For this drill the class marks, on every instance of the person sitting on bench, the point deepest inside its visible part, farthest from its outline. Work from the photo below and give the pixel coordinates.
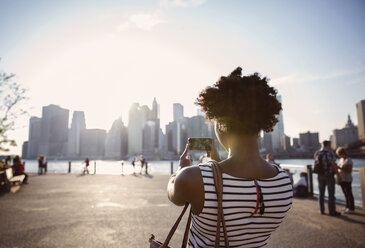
(301, 187)
(18, 168)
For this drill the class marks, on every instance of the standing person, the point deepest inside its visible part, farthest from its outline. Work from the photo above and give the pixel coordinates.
(45, 164)
(134, 164)
(345, 165)
(143, 162)
(254, 191)
(40, 165)
(86, 168)
(18, 168)
(327, 177)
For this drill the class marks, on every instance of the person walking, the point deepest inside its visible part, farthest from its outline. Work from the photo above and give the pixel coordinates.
(86, 168)
(345, 165)
(143, 163)
(134, 164)
(326, 178)
(254, 192)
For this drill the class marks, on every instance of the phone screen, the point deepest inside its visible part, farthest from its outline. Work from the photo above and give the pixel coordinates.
(202, 144)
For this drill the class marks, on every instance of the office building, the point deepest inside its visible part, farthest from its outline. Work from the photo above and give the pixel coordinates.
(54, 131)
(93, 143)
(178, 111)
(116, 141)
(345, 136)
(78, 125)
(360, 109)
(309, 141)
(278, 131)
(34, 137)
(285, 143)
(135, 130)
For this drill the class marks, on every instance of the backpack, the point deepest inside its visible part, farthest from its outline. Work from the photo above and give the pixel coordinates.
(319, 168)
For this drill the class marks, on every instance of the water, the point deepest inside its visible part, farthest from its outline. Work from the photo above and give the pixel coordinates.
(164, 168)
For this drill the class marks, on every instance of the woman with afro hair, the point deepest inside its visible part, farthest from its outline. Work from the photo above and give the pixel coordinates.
(256, 195)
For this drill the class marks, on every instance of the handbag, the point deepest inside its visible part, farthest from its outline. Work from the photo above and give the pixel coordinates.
(220, 217)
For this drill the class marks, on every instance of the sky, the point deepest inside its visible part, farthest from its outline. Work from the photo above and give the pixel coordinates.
(101, 56)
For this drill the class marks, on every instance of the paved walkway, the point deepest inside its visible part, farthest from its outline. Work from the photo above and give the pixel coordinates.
(68, 210)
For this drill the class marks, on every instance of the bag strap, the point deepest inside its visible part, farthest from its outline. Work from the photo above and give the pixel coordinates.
(174, 227)
(218, 182)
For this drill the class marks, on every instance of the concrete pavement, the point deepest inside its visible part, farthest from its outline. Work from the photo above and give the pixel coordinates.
(68, 210)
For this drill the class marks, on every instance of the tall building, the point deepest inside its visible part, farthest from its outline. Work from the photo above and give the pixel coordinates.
(295, 142)
(135, 130)
(25, 149)
(54, 131)
(93, 143)
(155, 109)
(360, 108)
(115, 143)
(346, 135)
(278, 131)
(178, 111)
(78, 125)
(285, 143)
(309, 141)
(267, 142)
(34, 137)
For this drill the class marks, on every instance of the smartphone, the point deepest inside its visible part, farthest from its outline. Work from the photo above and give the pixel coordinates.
(202, 144)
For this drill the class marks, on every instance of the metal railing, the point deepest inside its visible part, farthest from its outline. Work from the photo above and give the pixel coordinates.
(309, 171)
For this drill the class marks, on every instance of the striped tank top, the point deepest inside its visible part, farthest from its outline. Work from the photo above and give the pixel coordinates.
(239, 202)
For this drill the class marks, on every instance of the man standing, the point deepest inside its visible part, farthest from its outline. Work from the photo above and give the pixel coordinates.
(326, 177)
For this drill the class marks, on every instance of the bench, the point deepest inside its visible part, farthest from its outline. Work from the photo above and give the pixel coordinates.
(14, 179)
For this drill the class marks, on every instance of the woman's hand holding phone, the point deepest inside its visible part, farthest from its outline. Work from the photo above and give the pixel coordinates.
(185, 158)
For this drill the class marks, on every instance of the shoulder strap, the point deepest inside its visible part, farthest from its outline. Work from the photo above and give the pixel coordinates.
(174, 227)
(218, 182)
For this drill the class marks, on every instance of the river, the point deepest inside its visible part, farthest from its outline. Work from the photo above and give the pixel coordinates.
(164, 167)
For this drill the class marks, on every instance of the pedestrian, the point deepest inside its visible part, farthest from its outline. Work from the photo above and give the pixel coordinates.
(241, 108)
(326, 177)
(345, 165)
(143, 162)
(18, 168)
(42, 165)
(134, 164)
(86, 168)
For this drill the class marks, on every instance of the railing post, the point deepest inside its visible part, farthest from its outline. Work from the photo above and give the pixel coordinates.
(310, 179)
(362, 179)
(172, 167)
(122, 168)
(69, 166)
(94, 167)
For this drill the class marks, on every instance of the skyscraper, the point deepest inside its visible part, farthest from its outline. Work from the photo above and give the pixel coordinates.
(309, 141)
(135, 130)
(278, 131)
(178, 111)
(54, 131)
(115, 145)
(34, 137)
(360, 108)
(74, 136)
(346, 135)
(93, 143)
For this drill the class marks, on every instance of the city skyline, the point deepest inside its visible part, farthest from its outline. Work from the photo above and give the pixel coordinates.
(102, 57)
(54, 135)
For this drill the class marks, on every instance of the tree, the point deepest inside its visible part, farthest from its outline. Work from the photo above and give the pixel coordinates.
(11, 97)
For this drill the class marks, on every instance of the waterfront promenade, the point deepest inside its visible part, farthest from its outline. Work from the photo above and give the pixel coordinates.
(70, 210)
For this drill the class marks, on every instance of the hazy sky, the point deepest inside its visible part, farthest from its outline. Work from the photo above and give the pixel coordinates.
(100, 56)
